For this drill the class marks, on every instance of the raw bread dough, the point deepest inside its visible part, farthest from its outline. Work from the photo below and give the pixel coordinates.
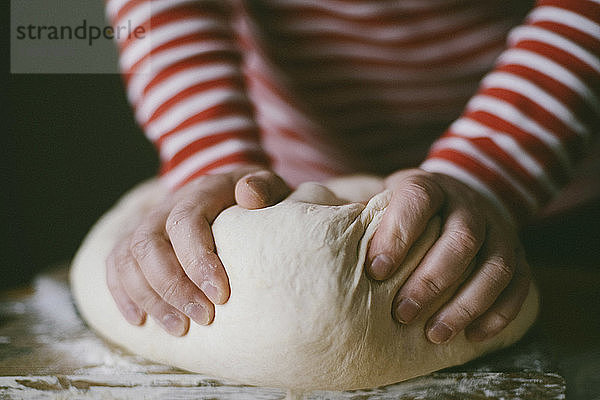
(302, 312)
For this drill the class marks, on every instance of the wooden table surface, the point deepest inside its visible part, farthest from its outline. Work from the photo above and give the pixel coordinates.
(46, 351)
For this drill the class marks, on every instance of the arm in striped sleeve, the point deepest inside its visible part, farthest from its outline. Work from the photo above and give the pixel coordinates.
(184, 81)
(533, 115)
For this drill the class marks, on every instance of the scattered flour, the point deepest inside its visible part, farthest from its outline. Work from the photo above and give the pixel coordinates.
(50, 315)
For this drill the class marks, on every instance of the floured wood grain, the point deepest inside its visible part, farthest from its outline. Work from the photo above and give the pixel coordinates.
(47, 352)
(440, 386)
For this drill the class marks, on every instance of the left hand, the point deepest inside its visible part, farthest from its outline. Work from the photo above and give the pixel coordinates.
(478, 249)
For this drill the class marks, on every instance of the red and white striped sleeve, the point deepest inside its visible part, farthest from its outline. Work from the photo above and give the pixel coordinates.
(533, 115)
(184, 80)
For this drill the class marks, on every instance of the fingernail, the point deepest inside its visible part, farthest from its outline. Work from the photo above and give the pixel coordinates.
(259, 187)
(439, 333)
(197, 312)
(381, 267)
(212, 292)
(407, 310)
(174, 324)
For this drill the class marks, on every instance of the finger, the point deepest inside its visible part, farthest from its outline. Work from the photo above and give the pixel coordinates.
(157, 261)
(140, 292)
(505, 309)
(189, 230)
(480, 291)
(120, 256)
(260, 189)
(414, 201)
(443, 267)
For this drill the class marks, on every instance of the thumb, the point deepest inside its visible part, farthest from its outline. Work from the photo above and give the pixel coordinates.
(415, 199)
(260, 189)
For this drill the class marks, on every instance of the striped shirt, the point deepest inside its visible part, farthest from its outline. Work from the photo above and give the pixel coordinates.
(501, 97)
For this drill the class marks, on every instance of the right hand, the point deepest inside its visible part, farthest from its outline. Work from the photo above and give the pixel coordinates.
(167, 267)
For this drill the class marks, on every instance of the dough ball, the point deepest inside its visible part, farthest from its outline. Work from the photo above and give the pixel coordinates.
(302, 312)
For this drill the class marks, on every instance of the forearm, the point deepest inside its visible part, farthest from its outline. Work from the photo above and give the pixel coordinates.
(185, 83)
(523, 131)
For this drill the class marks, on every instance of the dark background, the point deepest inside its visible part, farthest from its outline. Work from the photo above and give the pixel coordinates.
(74, 149)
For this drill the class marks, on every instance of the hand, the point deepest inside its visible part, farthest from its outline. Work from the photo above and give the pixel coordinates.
(478, 249)
(168, 267)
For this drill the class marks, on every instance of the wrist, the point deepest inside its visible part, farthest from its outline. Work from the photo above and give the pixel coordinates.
(464, 178)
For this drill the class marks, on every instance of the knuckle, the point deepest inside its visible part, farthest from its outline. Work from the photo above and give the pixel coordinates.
(498, 270)
(399, 238)
(472, 222)
(420, 189)
(116, 260)
(425, 186)
(500, 319)
(148, 302)
(431, 286)
(463, 241)
(143, 242)
(466, 311)
(197, 266)
(171, 290)
(179, 216)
